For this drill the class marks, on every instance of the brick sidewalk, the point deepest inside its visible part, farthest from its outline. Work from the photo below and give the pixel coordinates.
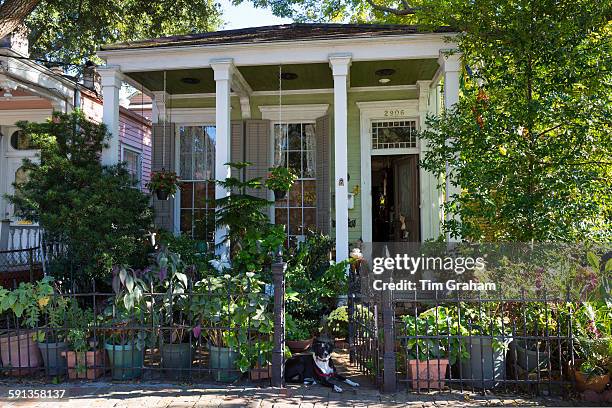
(106, 395)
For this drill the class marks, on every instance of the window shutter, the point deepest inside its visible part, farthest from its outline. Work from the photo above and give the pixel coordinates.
(257, 151)
(163, 158)
(237, 146)
(323, 174)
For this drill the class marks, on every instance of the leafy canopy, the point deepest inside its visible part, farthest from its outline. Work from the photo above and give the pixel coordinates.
(70, 31)
(530, 140)
(94, 210)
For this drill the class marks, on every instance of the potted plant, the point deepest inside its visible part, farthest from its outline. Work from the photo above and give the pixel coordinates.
(51, 339)
(123, 323)
(299, 336)
(173, 308)
(163, 183)
(593, 347)
(428, 358)
(280, 180)
(18, 348)
(84, 359)
(487, 335)
(231, 312)
(534, 325)
(336, 325)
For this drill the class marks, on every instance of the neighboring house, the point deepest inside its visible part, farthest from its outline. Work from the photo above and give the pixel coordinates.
(31, 92)
(338, 103)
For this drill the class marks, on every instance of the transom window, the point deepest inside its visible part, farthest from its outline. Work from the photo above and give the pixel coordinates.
(294, 147)
(197, 173)
(397, 134)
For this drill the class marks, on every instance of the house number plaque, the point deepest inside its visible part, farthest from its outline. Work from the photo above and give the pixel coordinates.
(392, 113)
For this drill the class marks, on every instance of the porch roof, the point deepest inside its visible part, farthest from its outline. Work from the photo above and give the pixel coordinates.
(277, 33)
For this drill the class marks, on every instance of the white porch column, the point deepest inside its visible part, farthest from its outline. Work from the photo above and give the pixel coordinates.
(451, 66)
(111, 84)
(340, 65)
(223, 78)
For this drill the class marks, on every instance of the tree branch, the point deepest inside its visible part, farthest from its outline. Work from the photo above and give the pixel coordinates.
(12, 14)
(404, 11)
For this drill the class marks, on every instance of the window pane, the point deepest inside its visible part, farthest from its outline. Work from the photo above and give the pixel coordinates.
(186, 195)
(308, 164)
(295, 137)
(295, 221)
(310, 193)
(310, 218)
(280, 145)
(295, 162)
(186, 221)
(295, 195)
(394, 135)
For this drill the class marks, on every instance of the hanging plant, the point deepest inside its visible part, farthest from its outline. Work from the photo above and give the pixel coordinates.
(280, 180)
(163, 183)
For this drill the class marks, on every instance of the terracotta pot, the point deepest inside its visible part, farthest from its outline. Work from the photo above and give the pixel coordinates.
(20, 352)
(299, 346)
(261, 373)
(341, 344)
(85, 365)
(427, 374)
(595, 383)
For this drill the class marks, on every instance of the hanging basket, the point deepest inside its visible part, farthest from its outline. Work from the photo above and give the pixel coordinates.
(279, 194)
(162, 195)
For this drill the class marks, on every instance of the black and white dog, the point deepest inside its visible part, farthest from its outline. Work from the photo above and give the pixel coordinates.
(316, 367)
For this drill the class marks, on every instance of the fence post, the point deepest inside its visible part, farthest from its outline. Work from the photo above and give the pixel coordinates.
(389, 373)
(278, 278)
(5, 226)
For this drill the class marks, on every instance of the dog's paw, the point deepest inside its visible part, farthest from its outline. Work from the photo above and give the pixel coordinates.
(337, 389)
(351, 383)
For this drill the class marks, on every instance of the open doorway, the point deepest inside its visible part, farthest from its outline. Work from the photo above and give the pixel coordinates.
(395, 198)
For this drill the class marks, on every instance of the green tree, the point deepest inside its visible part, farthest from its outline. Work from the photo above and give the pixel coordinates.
(70, 31)
(530, 140)
(94, 210)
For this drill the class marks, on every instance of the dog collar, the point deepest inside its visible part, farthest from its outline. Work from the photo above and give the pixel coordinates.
(321, 373)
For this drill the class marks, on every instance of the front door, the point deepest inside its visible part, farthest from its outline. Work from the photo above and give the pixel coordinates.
(406, 199)
(395, 198)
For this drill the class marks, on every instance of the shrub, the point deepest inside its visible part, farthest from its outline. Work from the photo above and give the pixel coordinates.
(95, 211)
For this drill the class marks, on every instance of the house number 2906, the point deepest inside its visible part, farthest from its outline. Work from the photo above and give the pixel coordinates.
(393, 112)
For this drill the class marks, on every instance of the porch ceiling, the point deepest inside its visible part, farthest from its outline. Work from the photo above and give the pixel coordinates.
(309, 76)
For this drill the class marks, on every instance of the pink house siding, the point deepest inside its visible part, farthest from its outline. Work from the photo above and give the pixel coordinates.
(135, 132)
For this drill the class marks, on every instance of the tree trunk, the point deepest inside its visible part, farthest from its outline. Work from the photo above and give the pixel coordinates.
(12, 14)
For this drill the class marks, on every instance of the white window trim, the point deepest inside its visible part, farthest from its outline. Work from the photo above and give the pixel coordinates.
(374, 111)
(191, 116)
(293, 113)
(133, 149)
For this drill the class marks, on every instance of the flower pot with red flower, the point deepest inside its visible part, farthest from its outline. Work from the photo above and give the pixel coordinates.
(280, 180)
(163, 183)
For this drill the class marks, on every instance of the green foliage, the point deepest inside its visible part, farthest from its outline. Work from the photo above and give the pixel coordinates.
(71, 31)
(281, 178)
(336, 323)
(313, 282)
(530, 139)
(240, 211)
(93, 210)
(232, 311)
(193, 253)
(28, 301)
(165, 181)
(437, 321)
(299, 329)
(81, 322)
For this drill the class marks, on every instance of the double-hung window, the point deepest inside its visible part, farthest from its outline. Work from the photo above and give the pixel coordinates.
(294, 147)
(197, 186)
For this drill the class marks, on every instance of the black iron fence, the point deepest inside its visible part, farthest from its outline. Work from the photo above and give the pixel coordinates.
(435, 340)
(222, 329)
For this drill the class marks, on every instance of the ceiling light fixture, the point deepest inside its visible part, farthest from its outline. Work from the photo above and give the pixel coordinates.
(384, 80)
(190, 81)
(288, 76)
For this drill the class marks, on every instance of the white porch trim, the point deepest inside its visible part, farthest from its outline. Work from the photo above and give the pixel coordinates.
(370, 111)
(295, 113)
(111, 85)
(224, 69)
(340, 65)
